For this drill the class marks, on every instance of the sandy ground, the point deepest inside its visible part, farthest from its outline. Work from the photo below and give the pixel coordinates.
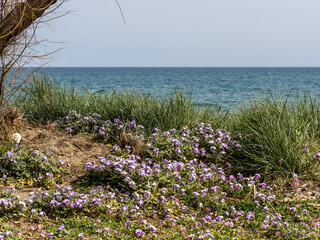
(76, 151)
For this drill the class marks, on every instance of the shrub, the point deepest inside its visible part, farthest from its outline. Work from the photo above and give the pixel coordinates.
(30, 167)
(279, 137)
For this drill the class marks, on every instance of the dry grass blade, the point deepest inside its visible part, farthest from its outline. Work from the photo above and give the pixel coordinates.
(138, 147)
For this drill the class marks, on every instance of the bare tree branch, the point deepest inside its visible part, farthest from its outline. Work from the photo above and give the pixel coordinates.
(20, 18)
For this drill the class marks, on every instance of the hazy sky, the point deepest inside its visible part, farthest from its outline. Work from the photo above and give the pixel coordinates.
(187, 33)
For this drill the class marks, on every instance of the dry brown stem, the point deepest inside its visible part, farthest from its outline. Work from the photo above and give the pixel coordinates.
(138, 147)
(10, 122)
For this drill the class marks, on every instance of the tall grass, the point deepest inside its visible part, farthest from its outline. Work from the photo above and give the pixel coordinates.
(279, 136)
(46, 101)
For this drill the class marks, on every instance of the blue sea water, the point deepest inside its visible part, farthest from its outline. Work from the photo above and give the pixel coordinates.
(228, 87)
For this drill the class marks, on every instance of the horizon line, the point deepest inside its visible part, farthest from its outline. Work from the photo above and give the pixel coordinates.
(173, 67)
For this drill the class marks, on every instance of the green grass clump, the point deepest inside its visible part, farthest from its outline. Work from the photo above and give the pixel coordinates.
(279, 137)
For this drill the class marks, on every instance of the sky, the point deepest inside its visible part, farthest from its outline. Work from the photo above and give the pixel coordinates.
(191, 33)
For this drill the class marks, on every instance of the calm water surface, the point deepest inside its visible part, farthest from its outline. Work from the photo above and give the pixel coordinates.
(228, 87)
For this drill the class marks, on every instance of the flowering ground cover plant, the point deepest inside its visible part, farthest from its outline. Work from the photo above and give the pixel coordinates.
(200, 141)
(215, 206)
(179, 188)
(104, 130)
(21, 166)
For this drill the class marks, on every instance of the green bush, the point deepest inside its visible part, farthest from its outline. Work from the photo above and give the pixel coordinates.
(279, 136)
(24, 166)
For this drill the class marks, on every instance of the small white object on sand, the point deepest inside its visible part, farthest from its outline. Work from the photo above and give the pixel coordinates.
(16, 137)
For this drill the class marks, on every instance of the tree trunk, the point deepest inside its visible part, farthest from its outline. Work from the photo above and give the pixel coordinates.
(20, 18)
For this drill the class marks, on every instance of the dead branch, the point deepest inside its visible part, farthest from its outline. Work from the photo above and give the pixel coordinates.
(20, 18)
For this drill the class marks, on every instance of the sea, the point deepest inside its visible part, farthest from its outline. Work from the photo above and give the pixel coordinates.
(225, 87)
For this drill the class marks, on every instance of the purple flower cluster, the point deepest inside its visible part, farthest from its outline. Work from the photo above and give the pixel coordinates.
(68, 200)
(204, 185)
(105, 131)
(202, 141)
(30, 165)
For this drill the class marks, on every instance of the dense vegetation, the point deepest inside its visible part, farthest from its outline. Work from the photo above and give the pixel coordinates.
(174, 171)
(280, 137)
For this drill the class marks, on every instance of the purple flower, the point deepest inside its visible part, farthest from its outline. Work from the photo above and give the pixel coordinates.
(88, 166)
(156, 151)
(257, 176)
(96, 115)
(128, 223)
(117, 121)
(50, 235)
(166, 134)
(48, 174)
(190, 236)
(8, 155)
(132, 125)
(60, 163)
(213, 149)
(250, 215)
(222, 153)
(128, 148)
(152, 229)
(8, 233)
(318, 156)
(202, 151)
(80, 235)
(176, 142)
(116, 148)
(123, 209)
(195, 150)
(176, 187)
(219, 218)
(106, 230)
(167, 210)
(143, 221)
(178, 150)
(163, 190)
(139, 232)
(53, 149)
(101, 132)
(102, 160)
(35, 152)
(147, 194)
(61, 227)
(195, 194)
